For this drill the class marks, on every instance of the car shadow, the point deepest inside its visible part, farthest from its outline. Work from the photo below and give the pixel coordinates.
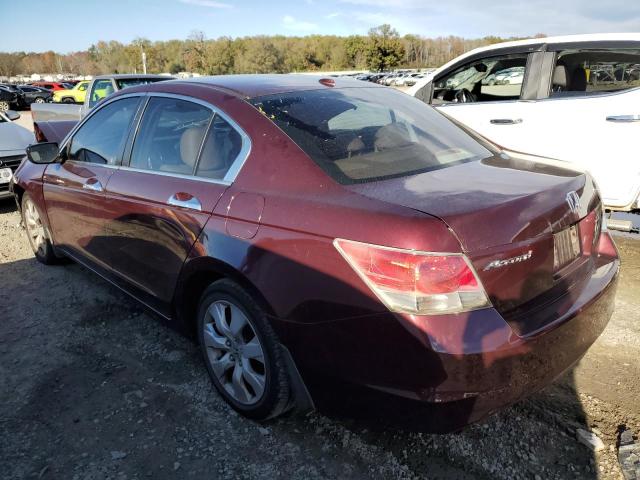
(7, 205)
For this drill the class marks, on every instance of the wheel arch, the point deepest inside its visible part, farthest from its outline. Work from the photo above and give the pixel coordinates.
(197, 274)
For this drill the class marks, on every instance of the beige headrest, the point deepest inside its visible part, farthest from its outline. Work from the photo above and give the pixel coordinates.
(190, 145)
(560, 76)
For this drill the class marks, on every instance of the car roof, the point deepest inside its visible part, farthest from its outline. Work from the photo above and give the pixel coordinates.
(121, 76)
(250, 86)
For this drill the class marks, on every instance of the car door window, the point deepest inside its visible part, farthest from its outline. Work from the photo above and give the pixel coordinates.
(101, 138)
(220, 150)
(487, 80)
(593, 72)
(101, 89)
(82, 87)
(170, 136)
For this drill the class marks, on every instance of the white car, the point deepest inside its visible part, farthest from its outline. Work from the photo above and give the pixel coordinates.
(14, 140)
(573, 98)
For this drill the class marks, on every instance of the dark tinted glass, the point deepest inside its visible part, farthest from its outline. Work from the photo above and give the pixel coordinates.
(363, 134)
(132, 82)
(101, 138)
(170, 136)
(221, 148)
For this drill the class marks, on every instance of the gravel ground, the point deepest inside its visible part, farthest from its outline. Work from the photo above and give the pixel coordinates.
(92, 387)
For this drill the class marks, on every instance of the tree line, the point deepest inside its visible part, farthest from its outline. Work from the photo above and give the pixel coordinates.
(382, 49)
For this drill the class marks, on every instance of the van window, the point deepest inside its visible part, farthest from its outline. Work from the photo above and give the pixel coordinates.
(593, 72)
(487, 80)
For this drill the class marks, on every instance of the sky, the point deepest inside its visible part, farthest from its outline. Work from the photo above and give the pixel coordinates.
(72, 25)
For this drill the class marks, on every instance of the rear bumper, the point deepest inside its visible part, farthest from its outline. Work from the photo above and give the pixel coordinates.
(450, 370)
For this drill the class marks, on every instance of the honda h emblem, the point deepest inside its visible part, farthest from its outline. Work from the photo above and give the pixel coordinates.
(574, 201)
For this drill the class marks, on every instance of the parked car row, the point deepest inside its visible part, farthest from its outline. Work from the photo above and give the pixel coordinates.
(18, 97)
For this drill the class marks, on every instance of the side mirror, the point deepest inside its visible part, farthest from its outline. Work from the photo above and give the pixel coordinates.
(12, 115)
(42, 153)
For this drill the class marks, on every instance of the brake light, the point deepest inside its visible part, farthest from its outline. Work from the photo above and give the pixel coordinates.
(606, 246)
(419, 283)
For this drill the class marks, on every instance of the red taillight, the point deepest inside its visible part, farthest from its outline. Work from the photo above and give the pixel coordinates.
(415, 282)
(606, 247)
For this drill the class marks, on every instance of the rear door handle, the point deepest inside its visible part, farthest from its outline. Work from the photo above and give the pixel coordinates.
(93, 184)
(505, 121)
(623, 118)
(185, 200)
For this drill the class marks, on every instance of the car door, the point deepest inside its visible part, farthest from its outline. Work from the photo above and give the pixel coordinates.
(160, 201)
(74, 189)
(496, 105)
(591, 117)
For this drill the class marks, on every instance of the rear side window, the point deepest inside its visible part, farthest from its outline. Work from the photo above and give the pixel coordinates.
(220, 149)
(360, 135)
(170, 136)
(101, 138)
(593, 72)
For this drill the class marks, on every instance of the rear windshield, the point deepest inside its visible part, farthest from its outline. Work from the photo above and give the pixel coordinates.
(132, 82)
(360, 135)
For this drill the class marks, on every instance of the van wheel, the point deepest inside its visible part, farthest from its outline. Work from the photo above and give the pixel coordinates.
(37, 233)
(241, 351)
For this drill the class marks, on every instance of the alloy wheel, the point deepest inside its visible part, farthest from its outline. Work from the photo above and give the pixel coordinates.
(234, 352)
(35, 229)
(4, 106)
(39, 100)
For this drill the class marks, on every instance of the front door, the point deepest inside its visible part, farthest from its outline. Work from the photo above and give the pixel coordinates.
(74, 190)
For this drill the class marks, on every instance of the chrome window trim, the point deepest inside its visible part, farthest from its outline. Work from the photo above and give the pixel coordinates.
(176, 175)
(236, 165)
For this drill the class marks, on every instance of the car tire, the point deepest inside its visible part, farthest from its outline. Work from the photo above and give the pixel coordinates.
(37, 233)
(39, 100)
(241, 352)
(4, 106)
(68, 100)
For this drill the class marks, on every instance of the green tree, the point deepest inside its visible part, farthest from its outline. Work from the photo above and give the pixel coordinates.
(260, 56)
(356, 48)
(384, 48)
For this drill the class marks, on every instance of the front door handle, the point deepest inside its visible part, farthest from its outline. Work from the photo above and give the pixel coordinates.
(93, 184)
(623, 118)
(185, 200)
(505, 121)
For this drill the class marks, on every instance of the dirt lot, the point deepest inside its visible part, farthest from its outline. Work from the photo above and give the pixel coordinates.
(91, 387)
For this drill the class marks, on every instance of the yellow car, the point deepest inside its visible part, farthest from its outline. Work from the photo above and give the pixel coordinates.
(73, 95)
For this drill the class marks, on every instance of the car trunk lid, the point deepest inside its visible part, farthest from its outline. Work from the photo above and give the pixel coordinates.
(516, 218)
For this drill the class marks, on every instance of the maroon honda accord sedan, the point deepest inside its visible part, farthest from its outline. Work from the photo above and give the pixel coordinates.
(328, 238)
